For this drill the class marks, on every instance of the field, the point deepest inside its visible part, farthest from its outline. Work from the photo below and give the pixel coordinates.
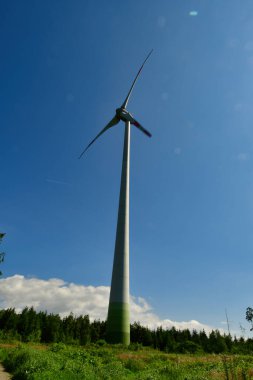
(60, 362)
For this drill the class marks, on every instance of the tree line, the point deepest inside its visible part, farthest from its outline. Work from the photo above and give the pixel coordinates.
(41, 327)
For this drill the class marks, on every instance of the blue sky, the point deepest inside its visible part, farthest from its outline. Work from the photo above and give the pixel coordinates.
(65, 68)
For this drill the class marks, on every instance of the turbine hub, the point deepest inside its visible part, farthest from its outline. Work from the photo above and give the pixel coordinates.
(121, 113)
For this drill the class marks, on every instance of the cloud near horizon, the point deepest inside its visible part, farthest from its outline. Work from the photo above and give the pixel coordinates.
(57, 296)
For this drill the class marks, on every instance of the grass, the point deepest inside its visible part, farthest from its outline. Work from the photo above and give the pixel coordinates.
(60, 362)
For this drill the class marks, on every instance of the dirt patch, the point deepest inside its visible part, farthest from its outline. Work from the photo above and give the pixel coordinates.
(8, 345)
(4, 375)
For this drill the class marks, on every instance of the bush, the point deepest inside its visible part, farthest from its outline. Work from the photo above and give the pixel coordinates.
(56, 347)
(101, 342)
(135, 346)
(135, 365)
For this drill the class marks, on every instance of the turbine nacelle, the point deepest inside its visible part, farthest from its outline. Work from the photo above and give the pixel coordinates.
(120, 112)
(123, 114)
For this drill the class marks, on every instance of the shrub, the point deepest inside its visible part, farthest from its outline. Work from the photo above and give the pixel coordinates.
(101, 342)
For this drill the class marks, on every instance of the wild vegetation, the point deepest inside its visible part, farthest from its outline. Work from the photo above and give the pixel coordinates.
(92, 362)
(37, 345)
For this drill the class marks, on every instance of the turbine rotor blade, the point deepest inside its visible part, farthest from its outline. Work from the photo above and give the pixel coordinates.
(138, 125)
(131, 89)
(113, 122)
(141, 128)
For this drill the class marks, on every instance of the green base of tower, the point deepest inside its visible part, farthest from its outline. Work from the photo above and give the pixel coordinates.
(118, 323)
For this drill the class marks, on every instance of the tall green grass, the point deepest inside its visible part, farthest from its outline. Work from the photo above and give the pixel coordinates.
(60, 362)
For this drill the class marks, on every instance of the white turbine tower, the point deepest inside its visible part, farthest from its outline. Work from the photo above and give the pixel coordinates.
(118, 319)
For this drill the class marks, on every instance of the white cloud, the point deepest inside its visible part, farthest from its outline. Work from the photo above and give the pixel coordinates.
(57, 296)
(193, 13)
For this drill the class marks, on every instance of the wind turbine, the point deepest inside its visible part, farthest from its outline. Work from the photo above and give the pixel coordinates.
(118, 319)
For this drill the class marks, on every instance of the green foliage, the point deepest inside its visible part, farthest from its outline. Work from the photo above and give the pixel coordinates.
(62, 362)
(237, 367)
(188, 347)
(40, 327)
(101, 342)
(56, 347)
(135, 347)
(135, 364)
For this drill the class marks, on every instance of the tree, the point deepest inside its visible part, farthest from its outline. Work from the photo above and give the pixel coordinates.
(249, 316)
(51, 332)
(29, 325)
(1, 253)
(216, 344)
